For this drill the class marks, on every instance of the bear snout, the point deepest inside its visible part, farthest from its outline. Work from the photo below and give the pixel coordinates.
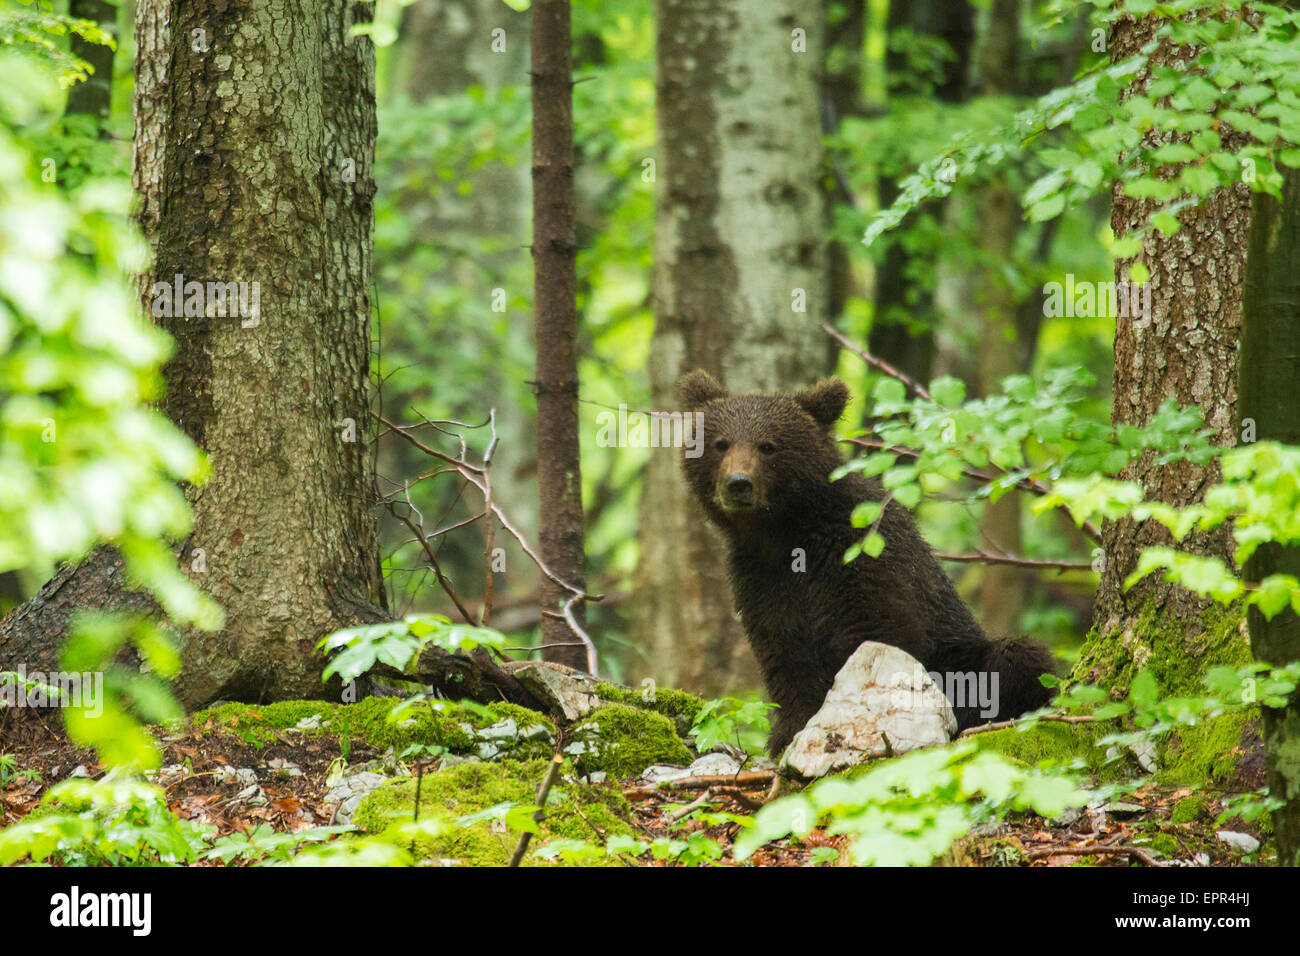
(738, 485)
(740, 489)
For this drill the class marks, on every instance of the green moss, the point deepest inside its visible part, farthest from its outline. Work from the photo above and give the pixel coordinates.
(1176, 654)
(1052, 744)
(1166, 844)
(257, 724)
(440, 726)
(623, 741)
(677, 705)
(440, 723)
(1209, 751)
(576, 810)
(1189, 809)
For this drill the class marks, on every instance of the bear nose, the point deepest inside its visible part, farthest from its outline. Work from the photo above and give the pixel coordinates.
(740, 484)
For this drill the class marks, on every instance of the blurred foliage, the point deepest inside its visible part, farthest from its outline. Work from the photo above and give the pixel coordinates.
(84, 460)
(32, 30)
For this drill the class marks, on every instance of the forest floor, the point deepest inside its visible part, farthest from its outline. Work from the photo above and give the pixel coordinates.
(207, 777)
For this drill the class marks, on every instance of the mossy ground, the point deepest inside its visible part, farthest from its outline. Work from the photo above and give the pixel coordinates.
(677, 705)
(1213, 751)
(576, 810)
(622, 741)
(436, 723)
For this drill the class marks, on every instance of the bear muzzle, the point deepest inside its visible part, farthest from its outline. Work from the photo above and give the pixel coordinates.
(738, 487)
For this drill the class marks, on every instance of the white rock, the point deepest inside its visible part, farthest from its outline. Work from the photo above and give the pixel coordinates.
(570, 695)
(660, 772)
(1242, 841)
(349, 792)
(712, 764)
(880, 692)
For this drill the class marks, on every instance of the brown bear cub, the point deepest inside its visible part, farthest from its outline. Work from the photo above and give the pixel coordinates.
(762, 475)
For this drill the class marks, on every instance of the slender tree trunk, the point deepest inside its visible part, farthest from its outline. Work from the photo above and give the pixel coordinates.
(1186, 351)
(740, 284)
(95, 96)
(266, 181)
(1270, 370)
(559, 472)
(1002, 587)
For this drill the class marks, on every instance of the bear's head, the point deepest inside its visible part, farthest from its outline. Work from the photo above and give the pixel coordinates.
(761, 455)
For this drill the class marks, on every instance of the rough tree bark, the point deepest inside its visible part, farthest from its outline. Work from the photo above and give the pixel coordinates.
(266, 181)
(555, 248)
(739, 247)
(1187, 351)
(1270, 369)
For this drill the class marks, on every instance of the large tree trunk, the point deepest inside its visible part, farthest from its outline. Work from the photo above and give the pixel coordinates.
(1270, 369)
(267, 180)
(739, 246)
(1187, 351)
(555, 248)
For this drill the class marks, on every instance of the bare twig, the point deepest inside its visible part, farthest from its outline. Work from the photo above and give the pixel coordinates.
(1133, 851)
(489, 528)
(545, 791)
(983, 556)
(1045, 718)
(686, 811)
(879, 363)
(478, 476)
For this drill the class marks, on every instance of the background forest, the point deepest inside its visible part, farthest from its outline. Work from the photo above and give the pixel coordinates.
(1018, 230)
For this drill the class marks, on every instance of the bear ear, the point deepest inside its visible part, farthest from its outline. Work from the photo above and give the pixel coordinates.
(698, 389)
(824, 401)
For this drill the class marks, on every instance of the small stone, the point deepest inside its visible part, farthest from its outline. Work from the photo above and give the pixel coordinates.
(659, 773)
(714, 764)
(1117, 808)
(1241, 841)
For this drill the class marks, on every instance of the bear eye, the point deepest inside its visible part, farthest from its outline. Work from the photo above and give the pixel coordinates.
(767, 448)
(721, 444)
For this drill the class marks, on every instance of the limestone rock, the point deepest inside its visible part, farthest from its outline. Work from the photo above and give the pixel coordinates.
(880, 692)
(571, 694)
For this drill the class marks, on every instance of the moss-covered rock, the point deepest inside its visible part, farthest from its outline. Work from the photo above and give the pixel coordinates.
(576, 810)
(677, 705)
(454, 727)
(622, 741)
(258, 724)
(1189, 809)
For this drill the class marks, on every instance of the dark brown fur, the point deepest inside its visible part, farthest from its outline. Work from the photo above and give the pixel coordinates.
(803, 625)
